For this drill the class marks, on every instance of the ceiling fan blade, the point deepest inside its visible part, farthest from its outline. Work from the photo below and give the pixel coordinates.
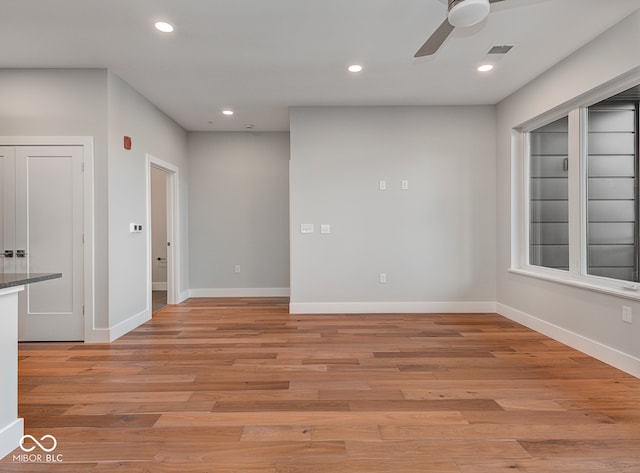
(435, 41)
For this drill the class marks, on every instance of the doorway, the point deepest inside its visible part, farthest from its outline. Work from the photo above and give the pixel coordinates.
(158, 238)
(162, 221)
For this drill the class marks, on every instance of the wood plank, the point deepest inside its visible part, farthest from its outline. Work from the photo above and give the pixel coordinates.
(280, 406)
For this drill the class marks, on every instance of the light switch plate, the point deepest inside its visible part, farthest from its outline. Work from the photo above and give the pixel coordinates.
(306, 228)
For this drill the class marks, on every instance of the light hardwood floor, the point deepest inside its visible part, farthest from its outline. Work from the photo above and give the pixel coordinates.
(239, 385)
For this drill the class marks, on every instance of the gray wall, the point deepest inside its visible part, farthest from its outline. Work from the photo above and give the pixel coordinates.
(66, 102)
(587, 314)
(239, 213)
(435, 241)
(154, 133)
(97, 103)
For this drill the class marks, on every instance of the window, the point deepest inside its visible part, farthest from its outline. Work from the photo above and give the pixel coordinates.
(548, 195)
(579, 218)
(612, 190)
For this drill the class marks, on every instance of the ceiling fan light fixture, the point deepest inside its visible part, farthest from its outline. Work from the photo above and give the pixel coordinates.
(464, 13)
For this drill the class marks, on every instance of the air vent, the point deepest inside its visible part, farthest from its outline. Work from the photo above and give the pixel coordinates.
(501, 49)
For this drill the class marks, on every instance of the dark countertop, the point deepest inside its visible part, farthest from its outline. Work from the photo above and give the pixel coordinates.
(20, 279)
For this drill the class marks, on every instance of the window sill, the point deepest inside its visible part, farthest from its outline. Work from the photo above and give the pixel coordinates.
(609, 287)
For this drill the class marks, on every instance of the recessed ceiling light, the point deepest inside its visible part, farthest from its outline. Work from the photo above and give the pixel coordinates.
(164, 26)
(355, 68)
(227, 112)
(485, 68)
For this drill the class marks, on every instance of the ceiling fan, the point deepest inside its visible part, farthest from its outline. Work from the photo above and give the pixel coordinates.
(462, 13)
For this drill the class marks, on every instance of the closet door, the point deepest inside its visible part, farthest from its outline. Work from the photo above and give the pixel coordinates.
(48, 239)
(8, 209)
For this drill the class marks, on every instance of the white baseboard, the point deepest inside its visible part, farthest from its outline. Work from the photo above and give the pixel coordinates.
(240, 292)
(108, 335)
(158, 286)
(97, 335)
(10, 436)
(183, 296)
(390, 307)
(622, 361)
(129, 324)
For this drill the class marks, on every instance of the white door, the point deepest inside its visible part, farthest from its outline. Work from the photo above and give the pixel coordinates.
(48, 239)
(8, 209)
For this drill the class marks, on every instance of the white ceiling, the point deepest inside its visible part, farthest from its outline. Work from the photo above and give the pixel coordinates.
(259, 57)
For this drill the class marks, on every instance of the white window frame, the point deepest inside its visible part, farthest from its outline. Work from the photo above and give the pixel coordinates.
(577, 275)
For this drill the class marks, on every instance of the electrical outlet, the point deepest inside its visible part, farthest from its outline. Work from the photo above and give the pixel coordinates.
(627, 314)
(237, 268)
(383, 278)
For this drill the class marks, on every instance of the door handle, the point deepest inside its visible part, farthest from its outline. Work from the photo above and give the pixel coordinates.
(7, 254)
(21, 253)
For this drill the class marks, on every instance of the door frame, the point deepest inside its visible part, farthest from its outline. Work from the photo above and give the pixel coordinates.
(86, 142)
(173, 234)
